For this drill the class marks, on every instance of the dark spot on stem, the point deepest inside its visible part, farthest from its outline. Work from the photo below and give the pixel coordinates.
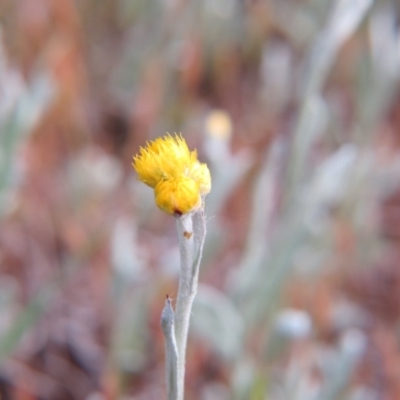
(187, 234)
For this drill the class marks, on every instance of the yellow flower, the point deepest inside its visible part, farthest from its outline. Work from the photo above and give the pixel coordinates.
(178, 178)
(163, 158)
(178, 196)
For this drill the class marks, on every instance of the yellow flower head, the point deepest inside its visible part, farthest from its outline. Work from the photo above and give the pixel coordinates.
(163, 158)
(178, 196)
(178, 178)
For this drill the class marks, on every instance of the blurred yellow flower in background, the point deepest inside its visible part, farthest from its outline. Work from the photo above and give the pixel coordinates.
(173, 171)
(219, 124)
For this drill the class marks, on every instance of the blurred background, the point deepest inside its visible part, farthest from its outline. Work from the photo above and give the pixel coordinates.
(294, 105)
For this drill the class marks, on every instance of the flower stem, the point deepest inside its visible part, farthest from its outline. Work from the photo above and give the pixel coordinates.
(191, 234)
(171, 351)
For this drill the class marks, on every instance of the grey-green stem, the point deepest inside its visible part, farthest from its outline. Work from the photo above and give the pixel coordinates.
(191, 234)
(171, 351)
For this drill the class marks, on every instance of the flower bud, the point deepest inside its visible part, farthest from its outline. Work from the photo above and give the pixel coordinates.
(178, 196)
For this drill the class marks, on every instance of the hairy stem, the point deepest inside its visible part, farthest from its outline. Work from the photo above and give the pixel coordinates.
(171, 351)
(191, 235)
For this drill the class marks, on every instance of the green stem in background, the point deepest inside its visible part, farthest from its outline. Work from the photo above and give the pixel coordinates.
(191, 234)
